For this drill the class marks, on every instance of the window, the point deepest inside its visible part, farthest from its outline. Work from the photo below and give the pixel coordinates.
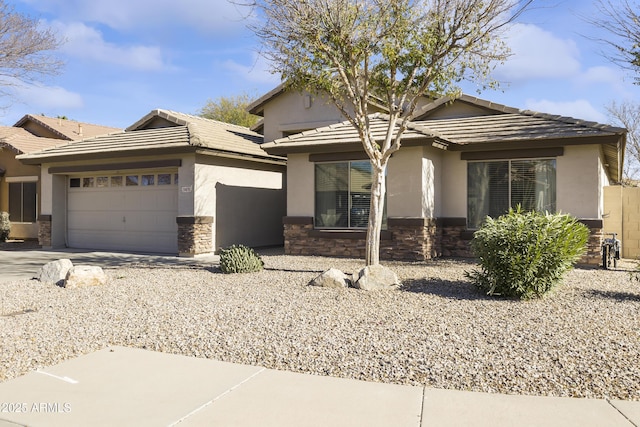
(148, 179)
(102, 181)
(116, 181)
(22, 201)
(343, 194)
(164, 179)
(131, 180)
(495, 186)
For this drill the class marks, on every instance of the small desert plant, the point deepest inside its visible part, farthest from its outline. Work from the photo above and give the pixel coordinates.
(525, 254)
(5, 226)
(240, 259)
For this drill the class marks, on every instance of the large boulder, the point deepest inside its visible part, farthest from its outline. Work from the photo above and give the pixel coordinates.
(332, 278)
(375, 277)
(85, 275)
(55, 272)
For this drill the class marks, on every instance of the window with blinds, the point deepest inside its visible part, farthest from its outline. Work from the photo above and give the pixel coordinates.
(343, 194)
(495, 186)
(22, 201)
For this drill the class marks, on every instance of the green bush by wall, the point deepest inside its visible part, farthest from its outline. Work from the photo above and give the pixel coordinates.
(5, 226)
(240, 259)
(525, 254)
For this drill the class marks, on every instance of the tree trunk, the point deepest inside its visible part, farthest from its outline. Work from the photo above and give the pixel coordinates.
(376, 212)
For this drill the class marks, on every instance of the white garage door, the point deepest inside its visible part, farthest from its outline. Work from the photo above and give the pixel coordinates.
(127, 212)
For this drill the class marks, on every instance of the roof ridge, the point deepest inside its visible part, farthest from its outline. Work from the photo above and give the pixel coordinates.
(571, 120)
(200, 118)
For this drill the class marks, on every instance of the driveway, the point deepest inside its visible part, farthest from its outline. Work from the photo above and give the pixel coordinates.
(23, 261)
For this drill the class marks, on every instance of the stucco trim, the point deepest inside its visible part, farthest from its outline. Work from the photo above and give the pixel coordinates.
(347, 234)
(151, 164)
(194, 219)
(297, 220)
(592, 223)
(332, 157)
(513, 154)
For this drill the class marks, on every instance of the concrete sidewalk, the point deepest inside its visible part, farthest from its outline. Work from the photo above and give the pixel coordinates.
(25, 264)
(121, 386)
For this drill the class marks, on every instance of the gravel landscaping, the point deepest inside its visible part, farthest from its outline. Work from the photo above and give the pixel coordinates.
(438, 330)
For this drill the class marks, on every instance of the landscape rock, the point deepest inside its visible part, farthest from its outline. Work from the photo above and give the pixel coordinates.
(375, 277)
(85, 275)
(332, 278)
(55, 272)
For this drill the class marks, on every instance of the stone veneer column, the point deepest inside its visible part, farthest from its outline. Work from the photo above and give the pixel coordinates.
(456, 239)
(412, 239)
(593, 254)
(195, 235)
(44, 231)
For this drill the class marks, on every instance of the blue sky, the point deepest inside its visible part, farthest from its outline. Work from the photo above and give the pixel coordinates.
(125, 58)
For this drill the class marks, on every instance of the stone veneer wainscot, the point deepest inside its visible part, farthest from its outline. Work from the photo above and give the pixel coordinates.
(195, 235)
(406, 239)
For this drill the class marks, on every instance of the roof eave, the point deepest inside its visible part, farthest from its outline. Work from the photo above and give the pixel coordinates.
(41, 159)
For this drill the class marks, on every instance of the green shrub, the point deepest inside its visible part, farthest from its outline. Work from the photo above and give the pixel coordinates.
(526, 254)
(240, 259)
(5, 226)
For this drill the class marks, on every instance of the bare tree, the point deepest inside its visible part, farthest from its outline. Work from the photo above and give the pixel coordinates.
(627, 114)
(230, 109)
(621, 21)
(25, 49)
(390, 51)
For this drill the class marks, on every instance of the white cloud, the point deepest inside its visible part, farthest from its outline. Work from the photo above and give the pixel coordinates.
(538, 54)
(207, 16)
(47, 97)
(257, 71)
(603, 75)
(579, 109)
(86, 42)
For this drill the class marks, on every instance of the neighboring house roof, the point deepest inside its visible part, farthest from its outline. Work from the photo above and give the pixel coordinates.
(24, 142)
(69, 130)
(169, 132)
(505, 128)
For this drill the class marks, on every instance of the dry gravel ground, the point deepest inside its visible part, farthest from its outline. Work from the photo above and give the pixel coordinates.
(438, 331)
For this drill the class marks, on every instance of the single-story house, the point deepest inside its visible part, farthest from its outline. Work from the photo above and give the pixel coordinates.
(170, 183)
(19, 183)
(460, 161)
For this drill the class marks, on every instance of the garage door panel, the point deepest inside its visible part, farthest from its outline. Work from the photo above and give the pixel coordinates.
(129, 218)
(89, 220)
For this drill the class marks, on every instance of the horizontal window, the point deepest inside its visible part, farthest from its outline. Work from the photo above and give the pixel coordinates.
(343, 194)
(104, 181)
(494, 187)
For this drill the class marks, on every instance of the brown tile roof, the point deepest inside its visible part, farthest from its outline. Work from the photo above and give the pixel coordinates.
(70, 130)
(515, 128)
(343, 136)
(188, 133)
(24, 142)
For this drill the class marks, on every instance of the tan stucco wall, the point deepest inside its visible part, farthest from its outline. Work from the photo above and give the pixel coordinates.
(292, 112)
(413, 183)
(622, 216)
(454, 186)
(255, 226)
(580, 177)
(300, 185)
